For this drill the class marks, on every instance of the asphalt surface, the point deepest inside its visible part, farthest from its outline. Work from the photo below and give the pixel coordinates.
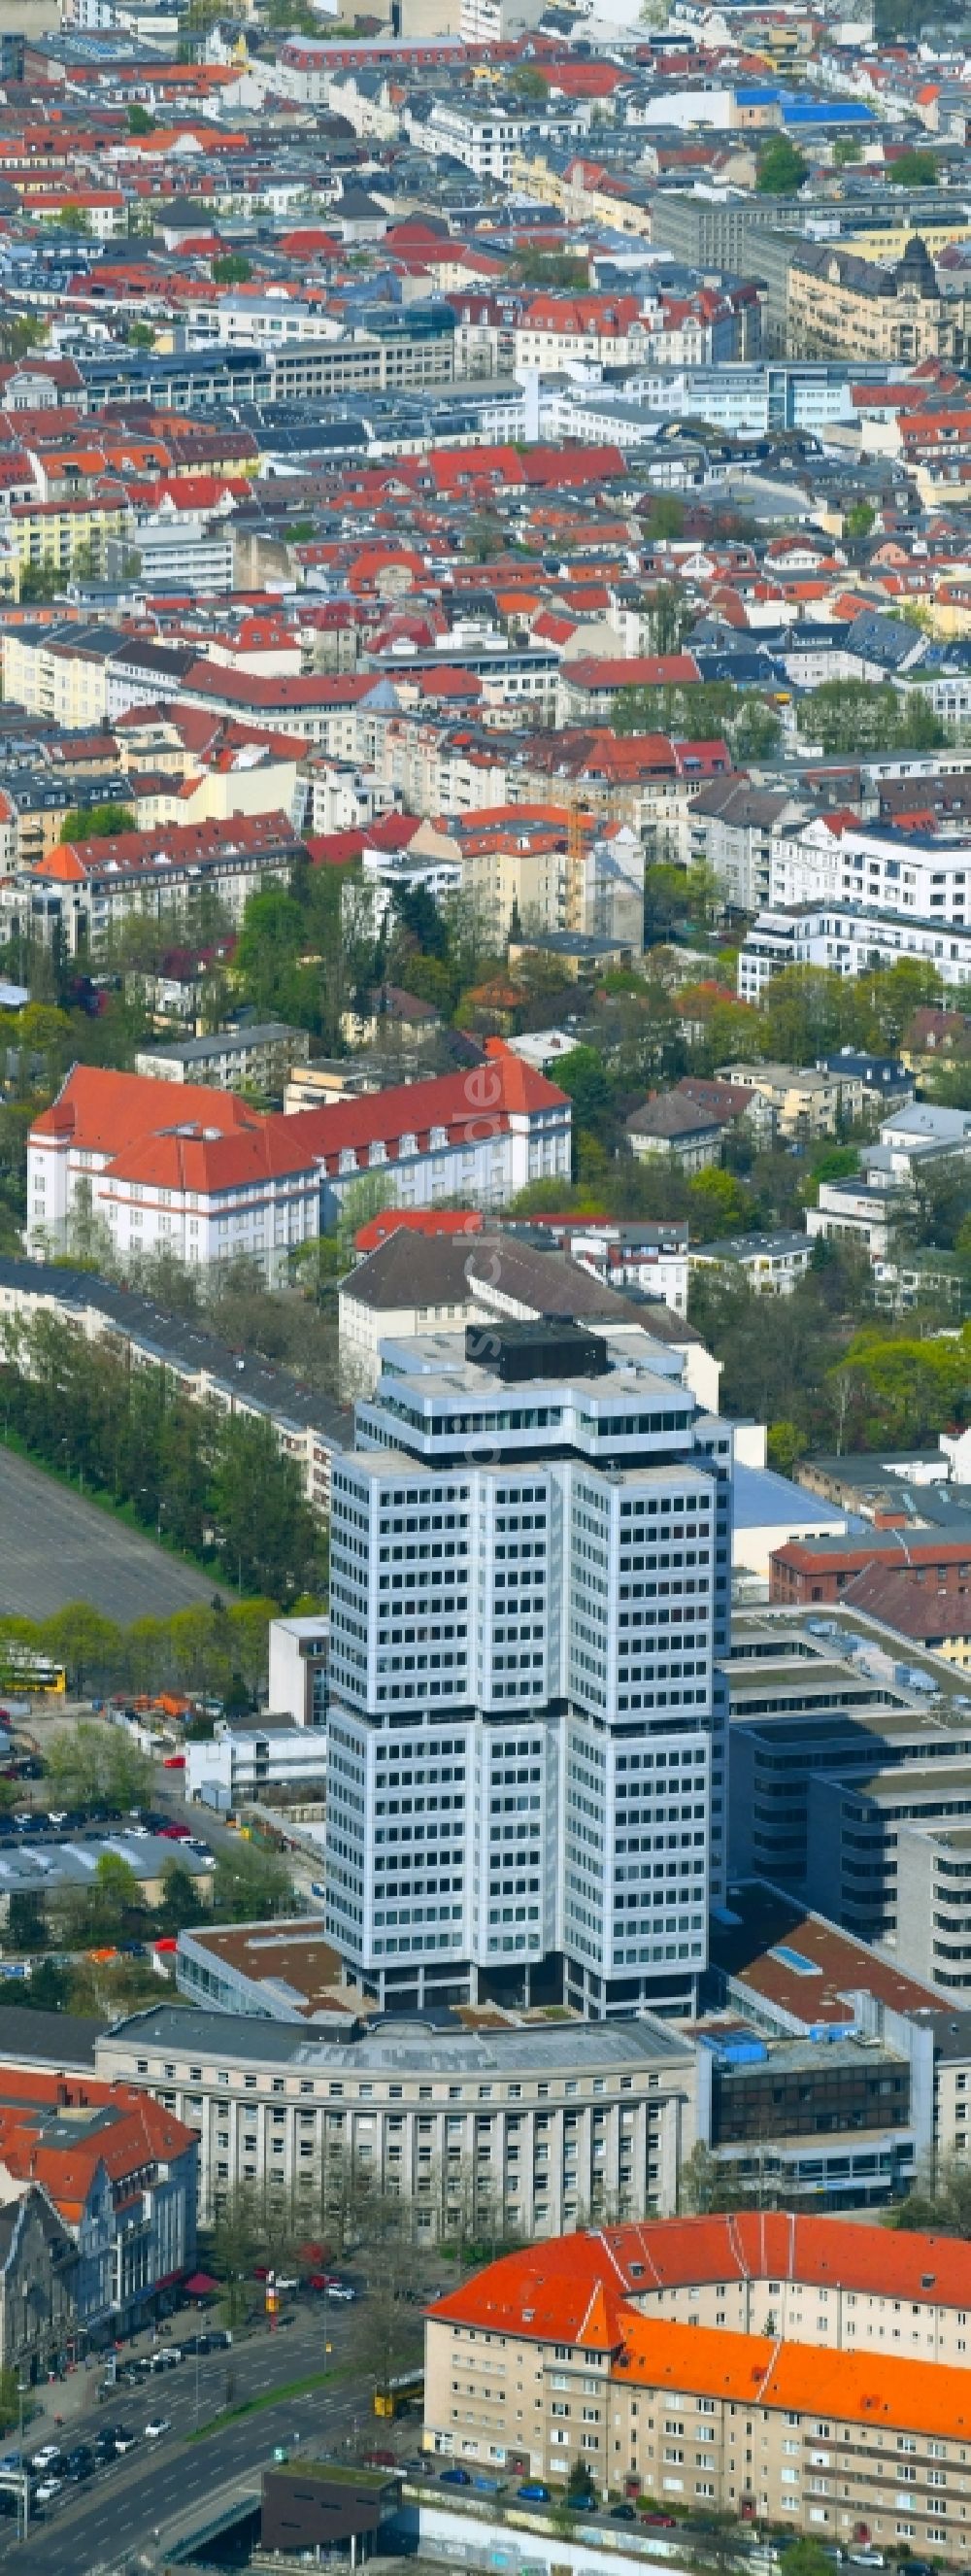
(56, 1547)
(116, 2513)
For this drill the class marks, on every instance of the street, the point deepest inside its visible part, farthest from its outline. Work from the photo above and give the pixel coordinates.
(96, 2523)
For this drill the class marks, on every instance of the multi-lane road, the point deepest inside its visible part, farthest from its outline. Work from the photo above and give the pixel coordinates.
(115, 2514)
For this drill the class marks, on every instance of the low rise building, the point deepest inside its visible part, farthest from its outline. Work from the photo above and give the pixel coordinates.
(530, 2123)
(773, 1264)
(241, 1762)
(273, 1971)
(671, 1128)
(259, 1058)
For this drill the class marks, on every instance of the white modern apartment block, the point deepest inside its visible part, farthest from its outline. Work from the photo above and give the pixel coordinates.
(885, 871)
(849, 938)
(530, 1583)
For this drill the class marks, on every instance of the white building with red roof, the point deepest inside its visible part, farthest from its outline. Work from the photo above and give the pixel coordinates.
(208, 1178)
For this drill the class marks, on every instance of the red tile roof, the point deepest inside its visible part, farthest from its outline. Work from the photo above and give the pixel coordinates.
(546, 2293)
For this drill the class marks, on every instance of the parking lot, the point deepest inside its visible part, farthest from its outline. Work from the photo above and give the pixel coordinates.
(55, 1547)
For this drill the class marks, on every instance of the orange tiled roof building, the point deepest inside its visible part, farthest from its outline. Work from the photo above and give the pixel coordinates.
(797, 2369)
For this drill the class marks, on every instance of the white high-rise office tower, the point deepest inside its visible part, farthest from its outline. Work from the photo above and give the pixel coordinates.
(530, 1582)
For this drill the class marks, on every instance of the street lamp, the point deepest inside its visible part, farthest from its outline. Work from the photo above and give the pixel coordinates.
(22, 2496)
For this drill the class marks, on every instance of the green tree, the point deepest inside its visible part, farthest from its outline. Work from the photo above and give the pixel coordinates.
(863, 716)
(26, 1921)
(40, 583)
(810, 2559)
(912, 169)
(140, 336)
(782, 171)
(96, 822)
(485, 538)
(699, 2183)
(180, 1903)
(268, 1538)
(939, 2204)
(582, 1076)
(251, 1885)
(85, 1642)
(114, 1902)
(139, 120)
(529, 85)
(231, 269)
(270, 943)
(561, 271)
(859, 520)
(665, 517)
(234, 2248)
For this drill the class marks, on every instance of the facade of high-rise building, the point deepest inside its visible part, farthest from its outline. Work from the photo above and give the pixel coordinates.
(526, 1742)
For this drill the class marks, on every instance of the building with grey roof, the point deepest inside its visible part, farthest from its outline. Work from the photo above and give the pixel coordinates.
(534, 2125)
(53, 1866)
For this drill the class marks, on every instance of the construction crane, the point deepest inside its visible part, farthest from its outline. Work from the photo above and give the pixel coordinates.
(579, 817)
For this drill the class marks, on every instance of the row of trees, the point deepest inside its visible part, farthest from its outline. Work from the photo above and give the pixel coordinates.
(214, 1647)
(216, 1485)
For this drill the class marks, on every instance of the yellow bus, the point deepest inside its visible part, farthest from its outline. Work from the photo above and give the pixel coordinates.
(26, 1674)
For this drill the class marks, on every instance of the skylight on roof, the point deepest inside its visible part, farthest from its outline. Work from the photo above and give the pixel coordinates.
(794, 1959)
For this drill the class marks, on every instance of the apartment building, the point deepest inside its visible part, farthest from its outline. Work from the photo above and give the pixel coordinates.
(530, 1561)
(530, 2125)
(571, 2354)
(119, 2170)
(309, 1427)
(81, 891)
(881, 870)
(807, 1102)
(207, 1176)
(258, 1058)
(732, 827)
(847, 938)
(838, 301)
(203, 1176)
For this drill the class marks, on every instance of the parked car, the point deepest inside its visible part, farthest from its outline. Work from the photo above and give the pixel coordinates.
(80, 2463)
(533, 2492)
(455, 2478)
(622, 2513)
(659, 2521)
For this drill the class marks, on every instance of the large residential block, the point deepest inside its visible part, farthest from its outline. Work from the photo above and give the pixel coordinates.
(201, 1173)
(769, 2367)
